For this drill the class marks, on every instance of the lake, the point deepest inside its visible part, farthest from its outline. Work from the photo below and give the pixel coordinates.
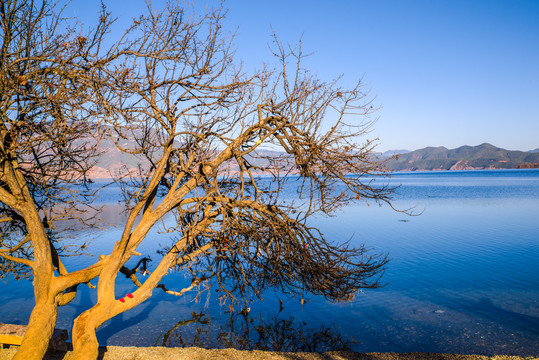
(463, 278)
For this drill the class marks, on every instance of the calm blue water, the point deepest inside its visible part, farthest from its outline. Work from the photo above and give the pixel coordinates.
(463, 278)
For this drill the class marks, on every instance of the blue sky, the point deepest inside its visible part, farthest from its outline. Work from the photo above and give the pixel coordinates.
(445, 72)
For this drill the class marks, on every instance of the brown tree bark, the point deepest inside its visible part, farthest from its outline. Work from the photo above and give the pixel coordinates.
(44, 313)
(85, 344)
(45, 64)
(195, 123)
(40, 327)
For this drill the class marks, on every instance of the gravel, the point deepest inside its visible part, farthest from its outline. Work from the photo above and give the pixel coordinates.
(162, 353)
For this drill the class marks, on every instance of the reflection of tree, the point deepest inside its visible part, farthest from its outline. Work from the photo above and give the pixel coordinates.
(195, 318)
(244, 333)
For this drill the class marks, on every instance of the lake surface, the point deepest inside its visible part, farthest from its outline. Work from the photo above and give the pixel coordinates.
(463, 278)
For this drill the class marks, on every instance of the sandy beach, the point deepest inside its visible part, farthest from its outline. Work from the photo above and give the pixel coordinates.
(193, 353)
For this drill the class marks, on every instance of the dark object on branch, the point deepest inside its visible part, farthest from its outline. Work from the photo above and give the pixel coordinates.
(143, 270)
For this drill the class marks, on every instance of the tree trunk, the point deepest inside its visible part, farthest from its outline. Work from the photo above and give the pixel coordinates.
(85, 344)
(40, 327)
(43, 318)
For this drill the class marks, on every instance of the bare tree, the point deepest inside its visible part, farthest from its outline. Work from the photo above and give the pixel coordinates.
(47, 146)
(200, 128)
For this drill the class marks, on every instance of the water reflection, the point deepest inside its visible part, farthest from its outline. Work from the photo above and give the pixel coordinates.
(244, 333)
(462, 279)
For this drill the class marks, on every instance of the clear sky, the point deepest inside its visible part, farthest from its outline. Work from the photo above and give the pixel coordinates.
(445, 72)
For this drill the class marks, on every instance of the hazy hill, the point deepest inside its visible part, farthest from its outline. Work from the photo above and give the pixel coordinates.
(113, 161)
(484, 156)
(390, 153)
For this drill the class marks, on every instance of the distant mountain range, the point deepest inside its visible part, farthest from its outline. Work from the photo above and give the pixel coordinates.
(484, 156)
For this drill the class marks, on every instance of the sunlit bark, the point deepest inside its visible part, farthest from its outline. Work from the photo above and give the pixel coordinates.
(169, 94)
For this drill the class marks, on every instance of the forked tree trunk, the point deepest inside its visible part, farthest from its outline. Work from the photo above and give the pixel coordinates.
(85, 344)
(40, 328)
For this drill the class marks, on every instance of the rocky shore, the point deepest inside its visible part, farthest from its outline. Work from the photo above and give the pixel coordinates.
(162, 353)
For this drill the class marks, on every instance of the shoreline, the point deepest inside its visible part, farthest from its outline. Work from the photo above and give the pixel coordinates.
(103, 179)
(194, 353)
